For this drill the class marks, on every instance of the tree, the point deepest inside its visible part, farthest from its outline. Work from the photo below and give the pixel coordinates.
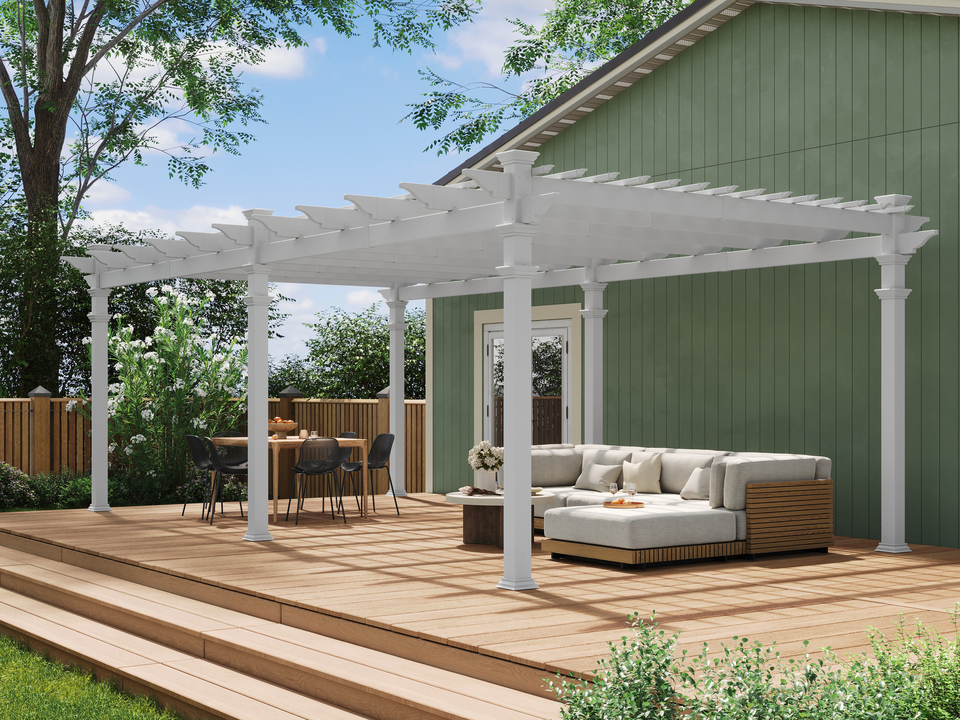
(350, 355)
(111, 72)
(576, 36)
(546, 356)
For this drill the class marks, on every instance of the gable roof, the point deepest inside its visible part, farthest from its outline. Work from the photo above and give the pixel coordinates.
(656, 48)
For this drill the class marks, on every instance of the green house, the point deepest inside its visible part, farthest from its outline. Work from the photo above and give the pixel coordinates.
(850, 100)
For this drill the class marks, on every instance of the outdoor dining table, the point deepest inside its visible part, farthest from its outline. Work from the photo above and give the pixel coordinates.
(277, 445)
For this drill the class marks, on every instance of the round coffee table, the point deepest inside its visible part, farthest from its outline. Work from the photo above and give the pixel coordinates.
(483, 516)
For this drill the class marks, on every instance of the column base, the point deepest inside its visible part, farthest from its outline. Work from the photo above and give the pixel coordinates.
(893, 548)
(100, 508)
(402, 493)
(258, 537)
(511, 584)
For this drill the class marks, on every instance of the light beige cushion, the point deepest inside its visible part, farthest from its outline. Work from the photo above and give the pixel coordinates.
(675, 469)
(645, 474)
(698, 485)
(598, 477)
(555, 467)
(601, 455)
(741, 471)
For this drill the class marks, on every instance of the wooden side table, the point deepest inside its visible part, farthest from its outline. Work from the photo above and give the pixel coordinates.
(483, 516)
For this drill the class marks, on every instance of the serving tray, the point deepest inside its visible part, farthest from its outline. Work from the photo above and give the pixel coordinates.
(623, 505)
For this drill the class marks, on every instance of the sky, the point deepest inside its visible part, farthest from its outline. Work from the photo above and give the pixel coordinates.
(333, 113)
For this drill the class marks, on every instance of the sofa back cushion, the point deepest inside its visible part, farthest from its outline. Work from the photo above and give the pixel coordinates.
(604, 455)
(698, 485)
(555, 467)
(740, 471)
(675, 469)
(598, 477)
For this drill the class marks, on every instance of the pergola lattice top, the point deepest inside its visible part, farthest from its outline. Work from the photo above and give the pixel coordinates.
(447, 240)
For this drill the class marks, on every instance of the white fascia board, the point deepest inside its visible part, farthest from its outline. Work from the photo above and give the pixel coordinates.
(194, 266)
(601, 82)
(784, 255)
(941, 7)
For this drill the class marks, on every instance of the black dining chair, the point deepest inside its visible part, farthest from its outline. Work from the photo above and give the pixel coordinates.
(222, 470)
(345, 453)
(318, 456)
(376, 460)
(201, 460)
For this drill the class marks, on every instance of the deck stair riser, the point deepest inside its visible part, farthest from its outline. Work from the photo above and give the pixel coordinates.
(356, 679)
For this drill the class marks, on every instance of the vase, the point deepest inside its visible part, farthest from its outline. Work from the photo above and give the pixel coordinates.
(496, 478)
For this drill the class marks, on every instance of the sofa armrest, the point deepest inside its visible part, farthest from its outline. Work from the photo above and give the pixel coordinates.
(794, 515)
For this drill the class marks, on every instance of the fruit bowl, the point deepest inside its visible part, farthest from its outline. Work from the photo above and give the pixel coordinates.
(282, 428)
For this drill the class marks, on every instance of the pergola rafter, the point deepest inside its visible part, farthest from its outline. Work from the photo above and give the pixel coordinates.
(512, 231)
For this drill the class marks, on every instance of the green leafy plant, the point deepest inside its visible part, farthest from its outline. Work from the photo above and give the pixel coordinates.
(15, 490)
(172, 383)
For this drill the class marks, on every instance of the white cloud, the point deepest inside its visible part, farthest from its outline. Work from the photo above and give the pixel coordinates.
(320, 45)
(485, 39)
(198, 217)
(103, 193)
(281, 62)
(364, 298)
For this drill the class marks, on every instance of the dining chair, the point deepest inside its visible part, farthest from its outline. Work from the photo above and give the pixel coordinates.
(222, 469)
(376, 460)
(345, 453)
(201, 460)
(318, 456)
(232, 454)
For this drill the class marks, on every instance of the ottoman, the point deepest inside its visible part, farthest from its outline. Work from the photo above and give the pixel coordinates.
(684, 530)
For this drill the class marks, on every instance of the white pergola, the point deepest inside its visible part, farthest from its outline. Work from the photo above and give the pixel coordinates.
(513, 231)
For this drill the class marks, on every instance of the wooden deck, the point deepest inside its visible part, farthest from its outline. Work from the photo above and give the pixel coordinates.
(406, 585)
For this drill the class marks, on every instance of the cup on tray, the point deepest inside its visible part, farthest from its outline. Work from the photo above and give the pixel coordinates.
(303, 434)
(313, 433)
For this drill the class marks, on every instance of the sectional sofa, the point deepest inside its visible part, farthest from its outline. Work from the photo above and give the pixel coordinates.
(710, 503)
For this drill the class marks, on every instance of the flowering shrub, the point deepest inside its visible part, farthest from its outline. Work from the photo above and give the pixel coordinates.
(485, 456)
(15, 490)
(170, 384)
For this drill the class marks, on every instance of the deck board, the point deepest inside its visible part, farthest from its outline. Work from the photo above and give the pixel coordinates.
(412, 576)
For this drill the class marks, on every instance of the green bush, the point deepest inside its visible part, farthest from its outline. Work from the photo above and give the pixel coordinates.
(15, 490)
(912, 676)
(60, 489)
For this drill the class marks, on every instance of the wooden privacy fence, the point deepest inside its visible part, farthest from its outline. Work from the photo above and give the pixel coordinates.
(547, 420)
(39, 434)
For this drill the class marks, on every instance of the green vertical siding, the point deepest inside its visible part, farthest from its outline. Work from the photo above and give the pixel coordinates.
(813, 100)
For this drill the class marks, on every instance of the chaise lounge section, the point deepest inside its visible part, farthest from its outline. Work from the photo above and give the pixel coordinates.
(699, 504)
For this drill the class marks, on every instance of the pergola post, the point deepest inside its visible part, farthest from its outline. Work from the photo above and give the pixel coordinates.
(258, 306)
(99, 437)
(593, 314)
(398, 416)
(893, 297)
(517, 273)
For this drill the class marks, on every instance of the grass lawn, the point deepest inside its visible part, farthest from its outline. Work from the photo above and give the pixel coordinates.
(31, 687)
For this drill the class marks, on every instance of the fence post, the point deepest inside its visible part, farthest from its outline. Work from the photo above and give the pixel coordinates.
(39, 430)
(287, 456)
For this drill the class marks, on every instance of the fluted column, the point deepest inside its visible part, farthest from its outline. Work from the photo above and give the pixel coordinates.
(258, 306)
(99, 421)
(398, 417)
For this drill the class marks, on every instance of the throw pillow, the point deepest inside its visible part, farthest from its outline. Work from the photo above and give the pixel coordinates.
(600, 456)
(698, 486)
(598, 477)
(645, 474)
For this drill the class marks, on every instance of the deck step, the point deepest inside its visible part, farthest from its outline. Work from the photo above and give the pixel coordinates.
(371, 683)
(192, 686)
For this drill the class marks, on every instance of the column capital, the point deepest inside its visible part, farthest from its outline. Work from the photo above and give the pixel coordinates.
(593, 313)
(591, 286)
(894, 259)
(893, 293)
(397, 326)
(397, 303)
(256, 268)
(99, 317)
(100, 292)
(517, 271)
(256, 300)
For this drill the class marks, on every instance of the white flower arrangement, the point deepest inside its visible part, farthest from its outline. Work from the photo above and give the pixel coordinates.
(485, 456)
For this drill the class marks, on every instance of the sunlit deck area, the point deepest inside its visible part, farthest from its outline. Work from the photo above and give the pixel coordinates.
(407, 585)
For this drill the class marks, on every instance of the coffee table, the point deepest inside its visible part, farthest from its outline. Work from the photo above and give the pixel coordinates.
(483, 516)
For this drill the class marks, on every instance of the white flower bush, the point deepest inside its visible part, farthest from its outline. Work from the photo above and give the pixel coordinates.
(178, 388)
(485, 456)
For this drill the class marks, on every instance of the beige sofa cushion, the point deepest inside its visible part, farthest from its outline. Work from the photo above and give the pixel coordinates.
(603, 455)
(555, 467)
(644, 474)
(698, 485)
(741, 471)
(598, 477)
(675, 469)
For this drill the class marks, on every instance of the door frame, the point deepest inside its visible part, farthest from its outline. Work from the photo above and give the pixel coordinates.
(568, 311)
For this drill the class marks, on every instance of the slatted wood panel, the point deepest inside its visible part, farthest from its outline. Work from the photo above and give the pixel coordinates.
(407, 585)
(15, 432)
(547, 420)
(640, 557)
(789, 516)
(837, 102)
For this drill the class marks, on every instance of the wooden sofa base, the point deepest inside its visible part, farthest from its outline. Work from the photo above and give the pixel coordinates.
(642, 557)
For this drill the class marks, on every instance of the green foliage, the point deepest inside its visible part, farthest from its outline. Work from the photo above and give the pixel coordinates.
(15, 490)
(546, 357)
(60, 489)
(913, 676)
(172, 383)
(350, 355)
(574, 38)
(32, 687)
(292, 370)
